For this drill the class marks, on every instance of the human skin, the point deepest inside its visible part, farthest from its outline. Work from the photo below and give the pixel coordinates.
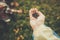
(36, 21)
(40, 31)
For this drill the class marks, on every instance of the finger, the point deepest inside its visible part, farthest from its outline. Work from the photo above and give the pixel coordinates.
(32, 12)
(36, 9)
(31, 17)
(41, 16)
(19, 11)
(39, 13)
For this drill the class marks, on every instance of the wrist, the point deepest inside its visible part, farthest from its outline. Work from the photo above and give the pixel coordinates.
(38, 27)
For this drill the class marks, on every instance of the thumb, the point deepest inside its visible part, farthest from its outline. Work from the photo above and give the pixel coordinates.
(31, 16)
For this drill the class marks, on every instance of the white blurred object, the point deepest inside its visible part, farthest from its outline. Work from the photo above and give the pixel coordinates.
(44, 33)
(8, 20)
(3, 4)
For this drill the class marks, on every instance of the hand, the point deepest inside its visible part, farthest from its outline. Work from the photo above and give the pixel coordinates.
(18, 11)
(16, 4)
(35, 22)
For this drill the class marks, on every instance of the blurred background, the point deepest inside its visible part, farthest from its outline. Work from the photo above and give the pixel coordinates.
(20, 29)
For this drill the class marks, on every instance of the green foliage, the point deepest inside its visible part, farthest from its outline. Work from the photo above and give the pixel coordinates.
(21, 30)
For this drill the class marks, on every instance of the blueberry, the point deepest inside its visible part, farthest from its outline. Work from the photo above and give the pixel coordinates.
(35, 15)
